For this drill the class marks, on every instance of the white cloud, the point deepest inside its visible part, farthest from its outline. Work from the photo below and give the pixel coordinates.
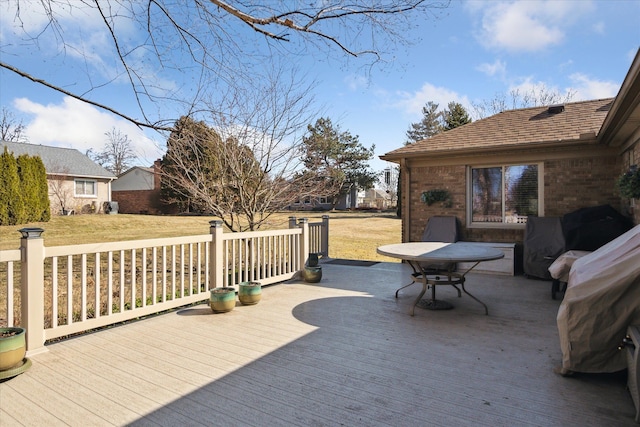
(587, 88)
(355, 82)
(411, 103)
(525, 25)
(73, 124)
(58, 31)
(498, 68)
(598, 27)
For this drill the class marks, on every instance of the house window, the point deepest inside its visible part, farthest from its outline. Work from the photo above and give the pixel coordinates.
(504, 194)
(85, 188)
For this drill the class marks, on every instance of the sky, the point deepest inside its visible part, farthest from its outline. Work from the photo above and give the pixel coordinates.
(470, 52)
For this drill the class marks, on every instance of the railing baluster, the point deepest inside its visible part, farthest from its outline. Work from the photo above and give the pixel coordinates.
(96, 284)
(69, 289)
(134, 270)
(182, 271)
(83, 287)
(173, 272)
(154, 275)
(164, 273)
(10, 317)
(109, 283)
(143, 266)
(54, 292)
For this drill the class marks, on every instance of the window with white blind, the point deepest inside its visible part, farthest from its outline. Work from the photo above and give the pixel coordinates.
(85, 188)
(504, 194)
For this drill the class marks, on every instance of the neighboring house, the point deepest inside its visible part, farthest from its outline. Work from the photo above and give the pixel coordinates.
(345, 202)
(374, 198)
(545, 161)
(137, 191)
(76, 183)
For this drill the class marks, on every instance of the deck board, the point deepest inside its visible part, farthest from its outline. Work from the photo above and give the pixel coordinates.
(340, 352)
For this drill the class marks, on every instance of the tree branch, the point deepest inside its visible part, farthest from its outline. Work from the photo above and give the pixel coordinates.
(83, 99)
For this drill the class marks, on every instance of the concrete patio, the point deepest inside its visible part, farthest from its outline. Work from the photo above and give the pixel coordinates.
(340, 352)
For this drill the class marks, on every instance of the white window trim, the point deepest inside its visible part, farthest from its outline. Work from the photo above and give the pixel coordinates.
(85, 196)
(502, 225)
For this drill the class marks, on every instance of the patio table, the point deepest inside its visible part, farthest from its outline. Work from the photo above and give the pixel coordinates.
(416, 253)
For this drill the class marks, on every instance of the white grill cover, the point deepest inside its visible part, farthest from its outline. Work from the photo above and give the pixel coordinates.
(601, 300)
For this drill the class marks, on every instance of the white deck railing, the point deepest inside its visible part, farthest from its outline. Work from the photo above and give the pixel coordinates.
(63, 290)
(318, 235)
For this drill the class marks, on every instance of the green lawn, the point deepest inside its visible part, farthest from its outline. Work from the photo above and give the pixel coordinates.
(352, 235)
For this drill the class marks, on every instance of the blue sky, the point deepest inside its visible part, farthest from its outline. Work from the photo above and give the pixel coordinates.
(467, 53)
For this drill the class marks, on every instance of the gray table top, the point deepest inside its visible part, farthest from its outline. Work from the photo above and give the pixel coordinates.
(440, 252)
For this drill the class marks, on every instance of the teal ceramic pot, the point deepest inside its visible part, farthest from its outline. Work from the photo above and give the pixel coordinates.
(12, 347)
(222, 300)
(250, 293)
(312, 274)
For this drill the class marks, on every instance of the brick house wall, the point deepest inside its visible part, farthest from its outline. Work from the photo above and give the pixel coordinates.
(630, 157)
(144, 201)
(569, 184)
(138, 201)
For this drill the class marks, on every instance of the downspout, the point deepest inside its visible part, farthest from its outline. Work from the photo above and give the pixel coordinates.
(406, 205)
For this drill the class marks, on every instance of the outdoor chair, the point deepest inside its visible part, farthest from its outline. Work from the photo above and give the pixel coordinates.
(438, 229)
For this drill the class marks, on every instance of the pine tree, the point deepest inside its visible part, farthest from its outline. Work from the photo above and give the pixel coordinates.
(44, 204)
(28, 190)
(455, 115)
(431, 124)
(11, 205)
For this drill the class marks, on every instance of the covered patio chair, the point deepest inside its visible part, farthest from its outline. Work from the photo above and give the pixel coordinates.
(438, 229)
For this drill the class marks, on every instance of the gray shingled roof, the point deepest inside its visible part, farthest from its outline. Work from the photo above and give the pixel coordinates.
(62, 161)
(516, 128)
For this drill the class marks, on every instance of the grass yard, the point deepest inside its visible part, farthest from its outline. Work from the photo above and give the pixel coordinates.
(352, 235)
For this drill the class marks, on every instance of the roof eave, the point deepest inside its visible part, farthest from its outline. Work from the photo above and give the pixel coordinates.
(585, 139)
(626, 103)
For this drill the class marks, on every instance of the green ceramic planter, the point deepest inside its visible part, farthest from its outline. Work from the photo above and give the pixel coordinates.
(250, 293)
(222, 300)
(312, 274)
(12, 347)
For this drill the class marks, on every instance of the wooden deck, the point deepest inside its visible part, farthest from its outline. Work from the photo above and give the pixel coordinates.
(340, 352)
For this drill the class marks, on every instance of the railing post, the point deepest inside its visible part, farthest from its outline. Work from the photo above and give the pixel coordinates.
(216, 268)
(32, 289)
(292, 222)
(304, 242)
(324, 241)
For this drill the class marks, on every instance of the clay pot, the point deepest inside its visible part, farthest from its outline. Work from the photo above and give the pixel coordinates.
(250, 293)
(222, 299)
(12, 347)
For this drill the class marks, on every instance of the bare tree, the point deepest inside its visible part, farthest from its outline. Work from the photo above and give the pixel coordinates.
(243, 164)
(62, 189)
(117, 155)
(145, 42)
(520, 99)
(11, 129)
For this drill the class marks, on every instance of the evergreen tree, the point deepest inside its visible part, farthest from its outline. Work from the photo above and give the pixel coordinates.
(455, 115)
(431, 124)
(11, 205)
(338, 159)
(44, 204)
(28, 190)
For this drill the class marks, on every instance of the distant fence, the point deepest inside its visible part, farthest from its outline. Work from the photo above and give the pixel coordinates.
(63, 290)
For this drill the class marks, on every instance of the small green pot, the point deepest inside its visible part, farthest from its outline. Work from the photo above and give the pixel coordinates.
(12, 347)
(312, 274)
(250, 293)
(222, 300)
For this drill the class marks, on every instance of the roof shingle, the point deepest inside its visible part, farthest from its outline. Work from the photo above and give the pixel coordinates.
(61, 161)
(578, 121)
